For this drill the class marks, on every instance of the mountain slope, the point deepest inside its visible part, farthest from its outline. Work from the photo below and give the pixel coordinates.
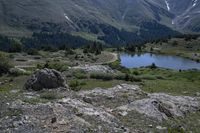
(186, 14)
(94, 16)
(71, 12)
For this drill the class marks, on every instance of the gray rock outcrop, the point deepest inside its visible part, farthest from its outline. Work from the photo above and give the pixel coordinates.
(45, 79)
(124, 108)
(163, 106)
(95, 68)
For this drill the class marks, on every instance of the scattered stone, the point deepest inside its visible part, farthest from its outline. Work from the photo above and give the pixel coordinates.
(62, 122)
(95, 68)
(161, 128)
(185, 92)
(198, 94)
(151, 126)
(30, 95)
(87, 100)
(45, 79)
(124, 113)
(14, 91)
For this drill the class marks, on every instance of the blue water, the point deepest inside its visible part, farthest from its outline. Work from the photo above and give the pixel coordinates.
(164, 61)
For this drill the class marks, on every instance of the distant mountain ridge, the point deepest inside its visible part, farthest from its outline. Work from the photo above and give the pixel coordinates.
(98, 17)
(186, 14)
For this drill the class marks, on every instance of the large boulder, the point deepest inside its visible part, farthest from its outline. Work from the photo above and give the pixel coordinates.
(45, 79)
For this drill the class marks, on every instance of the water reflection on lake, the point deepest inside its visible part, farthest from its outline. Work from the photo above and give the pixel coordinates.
(164, 61)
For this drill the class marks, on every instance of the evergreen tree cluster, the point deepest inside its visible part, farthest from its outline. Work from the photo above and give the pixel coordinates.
(134, 47)
(9, 45)
(51, 41)
(5, 64)
(149, 31)
(43, 39)
(95, 48)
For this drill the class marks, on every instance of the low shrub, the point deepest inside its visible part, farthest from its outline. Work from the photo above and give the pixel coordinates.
(148, 77)
(80, 74)
(53, 65)
(135, 79)
(32, 51)
(116, 65)
(120, 76)
(153, 66)
(176, 130)
(69, 52)
(5, 64)
(18, 72)
(160, 77)
(75, 85)
(136, 73)
(102, 76)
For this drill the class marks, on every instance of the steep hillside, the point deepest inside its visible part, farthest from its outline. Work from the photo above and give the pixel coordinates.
(73, 13)
(97, 17)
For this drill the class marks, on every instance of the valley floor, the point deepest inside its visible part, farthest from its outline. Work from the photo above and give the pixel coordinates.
(103, 96)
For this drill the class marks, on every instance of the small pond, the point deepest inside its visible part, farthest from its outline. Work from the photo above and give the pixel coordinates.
(164, 61)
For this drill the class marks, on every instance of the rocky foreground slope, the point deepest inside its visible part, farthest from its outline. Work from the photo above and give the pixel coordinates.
(123, 108)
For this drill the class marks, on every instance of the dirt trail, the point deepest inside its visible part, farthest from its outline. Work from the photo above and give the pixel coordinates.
(114, 58)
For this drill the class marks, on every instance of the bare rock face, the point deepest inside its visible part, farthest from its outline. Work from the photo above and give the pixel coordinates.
(163, 106)
(45, 79)
(113, 97)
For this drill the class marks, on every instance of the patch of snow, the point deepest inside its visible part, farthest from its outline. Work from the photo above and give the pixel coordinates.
(173, 22)
(167, 4)
(187, 16)
(68, 18)
(194, 3)
(124, 14)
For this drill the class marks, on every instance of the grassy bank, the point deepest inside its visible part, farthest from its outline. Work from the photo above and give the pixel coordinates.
(176, 46)
(170, 81)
